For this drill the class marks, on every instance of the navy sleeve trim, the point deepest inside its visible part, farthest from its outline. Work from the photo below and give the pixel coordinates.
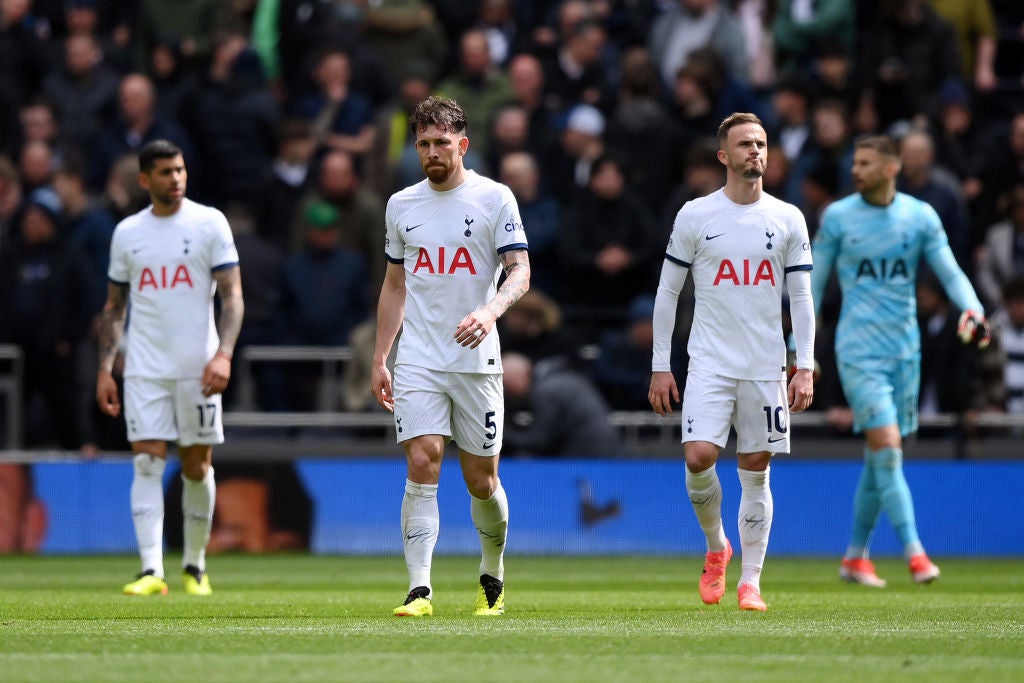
(224, 266)
(676, 261)
(513, 247)
(117, 282)
(396, 261)
(803, 266)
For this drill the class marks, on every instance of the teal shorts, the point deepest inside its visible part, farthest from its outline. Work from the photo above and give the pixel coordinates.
(882, 391)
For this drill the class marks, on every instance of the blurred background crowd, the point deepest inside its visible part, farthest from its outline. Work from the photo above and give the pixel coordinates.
(600, 115)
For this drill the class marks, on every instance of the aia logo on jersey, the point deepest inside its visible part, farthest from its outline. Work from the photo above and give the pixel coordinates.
(442, 263)
(883, 270)
(164, 278)
(746, 273)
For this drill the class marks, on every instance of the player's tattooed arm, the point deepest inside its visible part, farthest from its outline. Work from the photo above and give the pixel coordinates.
(232, 308)
(517, 281)
(111, 325)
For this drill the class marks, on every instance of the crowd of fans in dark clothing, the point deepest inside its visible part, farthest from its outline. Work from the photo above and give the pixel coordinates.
(600, 115)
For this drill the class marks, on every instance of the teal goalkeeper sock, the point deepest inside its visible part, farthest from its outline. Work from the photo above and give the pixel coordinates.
(867, 504)
(887, 464)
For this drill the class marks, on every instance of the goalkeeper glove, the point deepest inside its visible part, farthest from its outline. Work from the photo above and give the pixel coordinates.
(973, 329)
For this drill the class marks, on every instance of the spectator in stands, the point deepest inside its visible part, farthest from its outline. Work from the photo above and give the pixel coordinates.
(84, 91)
(533, 328)
(920, 178)
(1009, 321)
(39, 122)
(510, 133)
(581, 142)
(575, 74)
(975, 29)
(360, 213)
(497, 20)
(554, 411)
(1002, 258)
(393, 163)
(955, 378)
(401, 31)
(623, 369)
(341, 118)
(233, 119)
(324, 293)
(801, 28)
(138, 122)
(688, 25)
(999, 169)
(642, 131)
(542, 216)
(702, 175)
(173, 84)
(790, 119)
(288, 180)
(261, 291)
(909, 56)
(44, 309)
(959, 138)
(196, 23)
(35, 164)
(22, 514)
(24, 62)
(830, 145)
(86, 224)
(122, 194)
(479, 86)
(526, 81)
(609, 247)
(835, 77)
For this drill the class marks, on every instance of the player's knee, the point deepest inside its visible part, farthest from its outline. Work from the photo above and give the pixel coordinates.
(481, 485)
(196, 470)
(148, 465)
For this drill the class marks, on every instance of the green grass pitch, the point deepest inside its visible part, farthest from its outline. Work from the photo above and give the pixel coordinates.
(316, 618)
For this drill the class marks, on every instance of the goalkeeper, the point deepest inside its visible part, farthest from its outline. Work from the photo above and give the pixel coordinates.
(876, 239)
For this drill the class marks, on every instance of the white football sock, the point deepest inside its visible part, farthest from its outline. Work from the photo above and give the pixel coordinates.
(705, 492)
(421, 523)
(755, 522)
(147, 500)
(197, 501)
(491, 520)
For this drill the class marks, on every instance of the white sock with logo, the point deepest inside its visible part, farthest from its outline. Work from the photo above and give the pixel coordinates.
(755, 522)
(490, 517)
(705, 492)
(421, 523)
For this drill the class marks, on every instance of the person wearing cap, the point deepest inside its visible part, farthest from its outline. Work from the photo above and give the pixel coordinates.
(45, 310)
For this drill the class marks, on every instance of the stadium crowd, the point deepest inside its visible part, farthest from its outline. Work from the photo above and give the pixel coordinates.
(600, 115)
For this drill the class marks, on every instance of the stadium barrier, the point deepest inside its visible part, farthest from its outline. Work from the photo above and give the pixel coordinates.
(575, 507)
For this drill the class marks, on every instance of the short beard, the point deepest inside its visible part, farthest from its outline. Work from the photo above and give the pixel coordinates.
(445, 172)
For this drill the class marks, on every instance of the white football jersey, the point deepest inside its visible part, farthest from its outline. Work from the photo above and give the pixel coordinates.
(449, 243)
(738, 256)
(168, 264)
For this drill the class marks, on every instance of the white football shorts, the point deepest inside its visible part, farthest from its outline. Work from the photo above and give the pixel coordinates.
(172, 410)
(467, 407)
(759, 410)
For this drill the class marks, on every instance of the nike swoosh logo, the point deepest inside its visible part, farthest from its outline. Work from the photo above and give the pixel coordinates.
(711, 237)
(776, 440)
(411, 228)
(488, 445)
(136, 251)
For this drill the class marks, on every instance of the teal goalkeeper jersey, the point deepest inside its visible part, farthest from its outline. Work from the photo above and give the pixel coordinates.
(876, 251)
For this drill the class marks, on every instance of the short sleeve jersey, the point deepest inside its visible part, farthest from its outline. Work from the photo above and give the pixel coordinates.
(876, 251)
(738, 255)
(450, 244)
(168, 264)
